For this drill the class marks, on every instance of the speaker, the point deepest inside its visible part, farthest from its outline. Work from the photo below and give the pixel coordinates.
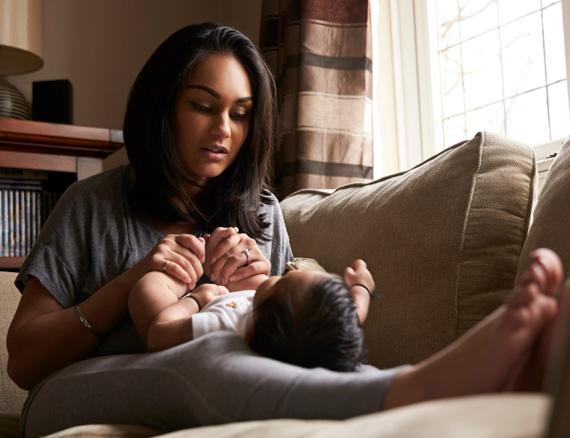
(52, 101)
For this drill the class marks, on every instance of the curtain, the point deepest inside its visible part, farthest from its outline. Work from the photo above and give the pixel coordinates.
(320, 54)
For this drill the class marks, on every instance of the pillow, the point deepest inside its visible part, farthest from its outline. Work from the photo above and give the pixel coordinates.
(551, 224)
(442, 241)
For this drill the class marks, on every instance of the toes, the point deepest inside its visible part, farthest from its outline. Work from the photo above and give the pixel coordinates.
(546, 269)
(523, 295)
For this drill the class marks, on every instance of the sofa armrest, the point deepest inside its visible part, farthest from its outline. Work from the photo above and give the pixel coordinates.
(11, 397)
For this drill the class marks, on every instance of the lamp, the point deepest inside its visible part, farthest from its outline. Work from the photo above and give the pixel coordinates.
(20, 49)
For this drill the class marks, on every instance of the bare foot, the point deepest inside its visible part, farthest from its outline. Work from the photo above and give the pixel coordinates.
(530, 376)
(485, 358)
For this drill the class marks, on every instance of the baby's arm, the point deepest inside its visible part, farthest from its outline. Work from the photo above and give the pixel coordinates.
(247, 283)
(154, 292)
(172, 326)
(361, 285)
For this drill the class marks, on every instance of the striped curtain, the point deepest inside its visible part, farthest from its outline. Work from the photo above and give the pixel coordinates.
(320, 53)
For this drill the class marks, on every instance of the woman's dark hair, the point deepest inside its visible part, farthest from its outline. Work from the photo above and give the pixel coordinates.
(231, 199)
(319, 330)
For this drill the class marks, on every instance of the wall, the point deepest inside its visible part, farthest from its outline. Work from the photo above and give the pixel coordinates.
(100, 45)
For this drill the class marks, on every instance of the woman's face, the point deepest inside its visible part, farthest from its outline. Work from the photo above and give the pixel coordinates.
(213, 115)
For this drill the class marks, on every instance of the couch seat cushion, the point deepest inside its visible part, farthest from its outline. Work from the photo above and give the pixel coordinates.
(11, 397)
(490, 416)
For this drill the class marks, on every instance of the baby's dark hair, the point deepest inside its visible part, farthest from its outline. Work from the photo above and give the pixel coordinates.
(319, 328)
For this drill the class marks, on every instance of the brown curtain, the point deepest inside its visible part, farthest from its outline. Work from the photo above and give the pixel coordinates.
(320, 53)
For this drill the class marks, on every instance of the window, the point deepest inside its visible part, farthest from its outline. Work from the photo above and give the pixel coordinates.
(461, 66)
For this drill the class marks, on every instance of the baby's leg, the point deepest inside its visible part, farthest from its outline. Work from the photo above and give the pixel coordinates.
(152, 293)
(485, 358)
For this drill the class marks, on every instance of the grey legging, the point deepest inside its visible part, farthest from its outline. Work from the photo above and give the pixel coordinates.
(213, 380)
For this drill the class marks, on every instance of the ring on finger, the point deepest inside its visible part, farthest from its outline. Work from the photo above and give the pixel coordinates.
(247, 257)
(165, 264)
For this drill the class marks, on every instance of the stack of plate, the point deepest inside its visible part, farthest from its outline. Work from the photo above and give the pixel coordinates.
(12, 102)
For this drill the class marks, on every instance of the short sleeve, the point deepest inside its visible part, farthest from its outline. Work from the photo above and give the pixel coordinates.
(84, 242)
(277, 249)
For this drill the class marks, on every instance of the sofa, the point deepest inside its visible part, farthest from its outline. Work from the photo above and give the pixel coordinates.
(444, 241)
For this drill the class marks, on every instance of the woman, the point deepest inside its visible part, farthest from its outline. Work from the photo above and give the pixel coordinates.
(198, 129)
(198, 132)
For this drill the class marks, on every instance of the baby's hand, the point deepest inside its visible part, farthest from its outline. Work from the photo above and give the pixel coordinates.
(357, 276)
(207, 292)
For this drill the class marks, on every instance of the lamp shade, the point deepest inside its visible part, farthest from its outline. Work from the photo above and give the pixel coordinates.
(20, 36)
(20, 50)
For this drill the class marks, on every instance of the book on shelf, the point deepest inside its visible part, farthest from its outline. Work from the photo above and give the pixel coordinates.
(24, 205)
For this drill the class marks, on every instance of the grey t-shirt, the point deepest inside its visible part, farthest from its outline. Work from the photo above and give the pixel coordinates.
(92, 236)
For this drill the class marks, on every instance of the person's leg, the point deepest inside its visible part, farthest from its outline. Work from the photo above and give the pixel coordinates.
(214, 379)
(485, 358)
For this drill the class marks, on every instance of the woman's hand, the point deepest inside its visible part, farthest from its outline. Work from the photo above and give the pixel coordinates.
(232, 256)
(178, 255)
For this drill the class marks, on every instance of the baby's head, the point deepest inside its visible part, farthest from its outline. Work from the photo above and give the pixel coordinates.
(307, 319)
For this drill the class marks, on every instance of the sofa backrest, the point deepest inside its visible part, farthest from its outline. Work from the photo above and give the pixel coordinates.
(442, 241)
(551, 229)
(11, 397)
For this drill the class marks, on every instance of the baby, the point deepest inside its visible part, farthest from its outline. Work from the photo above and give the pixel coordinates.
(306, 318)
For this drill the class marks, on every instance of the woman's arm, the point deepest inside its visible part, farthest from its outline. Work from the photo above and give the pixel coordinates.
(44, 337)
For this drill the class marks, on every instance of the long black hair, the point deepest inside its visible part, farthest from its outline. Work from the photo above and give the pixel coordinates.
(232, 198)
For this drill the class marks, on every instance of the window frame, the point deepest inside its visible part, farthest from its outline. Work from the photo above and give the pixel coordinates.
(413, 81)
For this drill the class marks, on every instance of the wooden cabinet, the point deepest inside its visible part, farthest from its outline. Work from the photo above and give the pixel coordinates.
(53, 147)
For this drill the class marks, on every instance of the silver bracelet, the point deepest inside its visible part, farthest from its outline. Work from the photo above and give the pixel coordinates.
(84, 321)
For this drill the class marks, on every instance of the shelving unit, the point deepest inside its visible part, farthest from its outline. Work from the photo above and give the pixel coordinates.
(76, 150)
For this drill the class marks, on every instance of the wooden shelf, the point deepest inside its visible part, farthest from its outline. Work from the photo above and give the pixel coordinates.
(11, 262)
(26, 144)
(52, 147)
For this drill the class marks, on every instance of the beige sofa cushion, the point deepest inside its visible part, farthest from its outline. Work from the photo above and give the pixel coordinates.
(490, 416)
(442, 241)
(551, 224)
(105, 431)
(11, 397)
